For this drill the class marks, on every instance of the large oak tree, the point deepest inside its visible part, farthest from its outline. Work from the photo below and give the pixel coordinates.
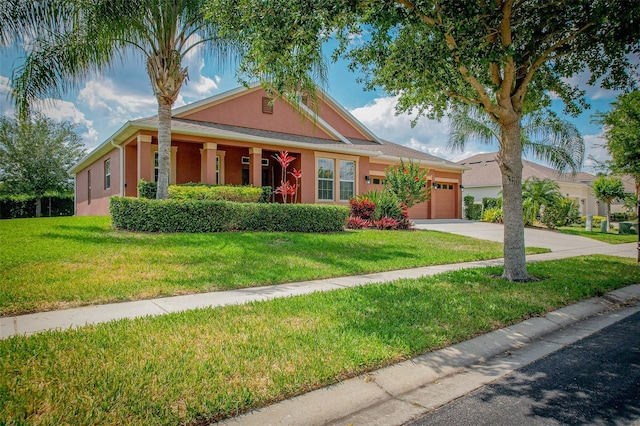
(505, 56)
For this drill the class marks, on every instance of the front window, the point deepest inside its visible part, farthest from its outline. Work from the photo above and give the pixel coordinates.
(107, 174)
(155, 166)
(347, 179)
(218, 170)
(325, 179)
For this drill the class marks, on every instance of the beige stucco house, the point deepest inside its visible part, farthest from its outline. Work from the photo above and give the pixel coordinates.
(483, 179)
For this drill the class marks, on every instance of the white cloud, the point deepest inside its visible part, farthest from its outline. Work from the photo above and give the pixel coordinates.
(429, 136)
(594, 147)
(6, 108)
(201, 86)
(60, 110)
(116, 103)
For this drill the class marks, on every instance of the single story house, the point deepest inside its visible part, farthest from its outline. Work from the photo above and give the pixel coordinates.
(231, 138)
(484, 179)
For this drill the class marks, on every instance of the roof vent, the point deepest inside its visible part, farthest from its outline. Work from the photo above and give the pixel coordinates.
(267, 106)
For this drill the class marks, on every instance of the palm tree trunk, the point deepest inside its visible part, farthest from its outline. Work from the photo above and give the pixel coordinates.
(164, 148)
(510, 160)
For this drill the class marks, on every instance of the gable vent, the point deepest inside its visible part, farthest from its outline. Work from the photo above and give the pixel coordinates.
(267, 106)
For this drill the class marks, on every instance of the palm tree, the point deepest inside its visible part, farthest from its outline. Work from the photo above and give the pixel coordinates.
(536, 194)
(544, 135)
(94, 35)
(20, 19)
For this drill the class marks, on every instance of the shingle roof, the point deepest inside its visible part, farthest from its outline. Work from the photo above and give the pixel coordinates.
(180, 123)
(484, 171)
(386, 148)
(401, 151)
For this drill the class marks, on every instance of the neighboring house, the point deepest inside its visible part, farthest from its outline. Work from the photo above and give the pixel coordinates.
(231, 138)
(629, 183)
(484, 179)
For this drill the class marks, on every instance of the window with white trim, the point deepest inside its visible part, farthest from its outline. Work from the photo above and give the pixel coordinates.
(217, 170)
(326, 169)
(155, 166)
(347, 179)
(107, 174)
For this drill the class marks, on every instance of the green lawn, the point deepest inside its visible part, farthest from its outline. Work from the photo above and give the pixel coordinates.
(204, 365)
(611, 237)
(62, 262)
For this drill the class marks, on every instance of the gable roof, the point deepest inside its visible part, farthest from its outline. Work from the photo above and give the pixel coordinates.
(186, 110)
(484, 171)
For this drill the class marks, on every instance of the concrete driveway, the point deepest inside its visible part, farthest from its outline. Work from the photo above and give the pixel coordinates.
(553, 240)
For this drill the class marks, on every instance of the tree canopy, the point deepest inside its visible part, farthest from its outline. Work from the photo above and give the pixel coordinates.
(507, 57)
(622, 135)
(35, 156)
(608, 189)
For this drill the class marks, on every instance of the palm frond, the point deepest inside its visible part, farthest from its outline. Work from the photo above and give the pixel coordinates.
(468, 124)
(554, 141)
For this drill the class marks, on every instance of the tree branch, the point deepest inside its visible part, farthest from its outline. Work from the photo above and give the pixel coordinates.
(508, 76)
(546, 55)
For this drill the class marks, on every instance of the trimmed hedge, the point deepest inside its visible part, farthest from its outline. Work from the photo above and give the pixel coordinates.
(203, 191)
(138, 214)
(239, 194)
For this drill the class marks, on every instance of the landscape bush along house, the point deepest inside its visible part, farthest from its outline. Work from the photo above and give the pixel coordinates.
(232, 138)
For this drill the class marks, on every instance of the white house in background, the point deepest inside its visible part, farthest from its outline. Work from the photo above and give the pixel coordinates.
(483, 179)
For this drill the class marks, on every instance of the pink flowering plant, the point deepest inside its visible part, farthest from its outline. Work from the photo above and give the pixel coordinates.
(408, 182)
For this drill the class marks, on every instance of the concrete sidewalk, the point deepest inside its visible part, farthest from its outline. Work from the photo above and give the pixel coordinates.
(77, 317)
(397, 394)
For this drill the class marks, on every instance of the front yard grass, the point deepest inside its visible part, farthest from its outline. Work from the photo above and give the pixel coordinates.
(204, 365)
(611, 237)
(56, 263)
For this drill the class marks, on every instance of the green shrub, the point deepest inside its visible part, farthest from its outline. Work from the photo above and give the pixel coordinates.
(267, 191)
(138, 214)
(564, 212)
(239, 194)
(493, 215)
(408, 183)
(491, 203)
(147, 189)
(595, 221)
(623, 216)
(24, 206)
(386, 204)
(472, 211)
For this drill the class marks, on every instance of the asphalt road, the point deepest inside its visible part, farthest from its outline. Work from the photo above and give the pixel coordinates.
(595, 381)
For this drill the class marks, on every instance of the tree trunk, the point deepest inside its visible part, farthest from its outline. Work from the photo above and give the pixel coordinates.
(38, 207)
(608, 203)
(510, 160)
(164, 149)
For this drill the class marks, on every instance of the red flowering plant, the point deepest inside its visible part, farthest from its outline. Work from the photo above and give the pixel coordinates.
(286, 189)
(408, 182)
(297, 175)
(356, 222)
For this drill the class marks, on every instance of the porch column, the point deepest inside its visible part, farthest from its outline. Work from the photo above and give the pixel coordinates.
(145, 160)
(255, 165)
(208, 163)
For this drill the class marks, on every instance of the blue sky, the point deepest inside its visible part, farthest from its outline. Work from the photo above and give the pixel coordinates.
(105, 102)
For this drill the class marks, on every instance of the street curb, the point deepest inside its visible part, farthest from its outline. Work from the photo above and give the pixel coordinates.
(398, 393)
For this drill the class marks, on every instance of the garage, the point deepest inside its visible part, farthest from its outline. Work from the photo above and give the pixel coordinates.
(444, 199)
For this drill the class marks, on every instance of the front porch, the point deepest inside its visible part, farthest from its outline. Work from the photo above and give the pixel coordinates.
(216, 163)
